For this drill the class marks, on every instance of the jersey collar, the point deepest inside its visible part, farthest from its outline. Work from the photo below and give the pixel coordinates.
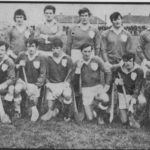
(58, 60)
(87, 62)
(53, 23)
(127, 72)
(88, 26)
(117, 31)
(33, 57)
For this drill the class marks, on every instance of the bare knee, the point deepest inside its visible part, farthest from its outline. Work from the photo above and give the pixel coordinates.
(123, 115)
(142, 100)
(11, 89)
(18, 89)
(67, 93)
(90, 118)
(88, 112)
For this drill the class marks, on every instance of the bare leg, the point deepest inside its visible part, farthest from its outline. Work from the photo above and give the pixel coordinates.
(123, 116)
(89, 112)
(35, 113)
(18, 98)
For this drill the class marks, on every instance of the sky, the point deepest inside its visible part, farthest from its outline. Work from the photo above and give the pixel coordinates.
(34, 11)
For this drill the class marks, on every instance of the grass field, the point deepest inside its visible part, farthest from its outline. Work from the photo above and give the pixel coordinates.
(56, 134)
(59, 134)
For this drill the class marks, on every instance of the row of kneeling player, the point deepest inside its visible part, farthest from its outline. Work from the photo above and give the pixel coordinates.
(60, 77)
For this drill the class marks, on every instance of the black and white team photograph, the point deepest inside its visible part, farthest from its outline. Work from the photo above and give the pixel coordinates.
(74, 75)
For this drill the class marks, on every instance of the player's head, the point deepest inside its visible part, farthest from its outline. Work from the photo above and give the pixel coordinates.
(116, 19)
(86, 50)
(19, 16)
(57, 46)
(32, 45)
(49, 12)
(129, 60)
(84, 15)
(3, 48)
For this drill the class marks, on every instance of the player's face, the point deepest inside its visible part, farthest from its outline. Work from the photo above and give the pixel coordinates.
(57, 51)
(129, 64)
(49, 14)
(31, 48)
(2, 51)
(19, 19)
(117, 23)
(84, 18)
(86, 52)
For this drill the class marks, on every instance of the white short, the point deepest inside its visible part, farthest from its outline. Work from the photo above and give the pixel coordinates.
(21, 83)
(34, 91)
(55, 90)
(124, 103)
(88, 94)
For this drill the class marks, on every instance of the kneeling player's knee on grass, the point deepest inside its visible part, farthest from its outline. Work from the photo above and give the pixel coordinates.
(90, 117)
(88, 112)
(124, 121)
(123, 115)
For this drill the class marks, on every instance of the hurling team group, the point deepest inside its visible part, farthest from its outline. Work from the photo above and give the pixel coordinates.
(91, 76)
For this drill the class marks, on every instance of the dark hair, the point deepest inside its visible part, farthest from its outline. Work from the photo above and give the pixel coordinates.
(84, 10)
(57, 43)
(114, 16)
(85, 45)
(20, 12)
(4, 43)
(128, 56)
(31, 41)
(50, 7)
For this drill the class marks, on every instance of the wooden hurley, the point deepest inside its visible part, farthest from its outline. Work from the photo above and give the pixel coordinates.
(112, 104)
